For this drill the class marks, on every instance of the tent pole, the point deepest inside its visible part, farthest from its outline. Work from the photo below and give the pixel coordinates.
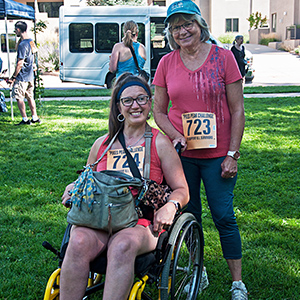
(9, 71)
(37, 74)
(7, 46)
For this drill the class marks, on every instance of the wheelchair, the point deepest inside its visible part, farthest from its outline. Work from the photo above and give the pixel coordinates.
(173, 270)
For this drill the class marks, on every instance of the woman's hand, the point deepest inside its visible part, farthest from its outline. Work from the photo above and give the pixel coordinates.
(66, 196)
(229, 167)
(182, 141)
(164, 216)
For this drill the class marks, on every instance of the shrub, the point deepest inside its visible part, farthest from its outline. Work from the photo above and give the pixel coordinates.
(297, 50)
(267, 38)
(49, 57)
(227, 38)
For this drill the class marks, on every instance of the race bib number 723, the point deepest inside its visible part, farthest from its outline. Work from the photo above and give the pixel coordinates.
(200, 130)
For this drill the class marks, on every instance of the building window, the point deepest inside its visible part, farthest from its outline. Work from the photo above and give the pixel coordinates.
(81, 37)
(232, 25)
(274, 18)
(51, 8)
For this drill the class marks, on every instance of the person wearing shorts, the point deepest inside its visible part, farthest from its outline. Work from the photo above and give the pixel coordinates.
(22, 79)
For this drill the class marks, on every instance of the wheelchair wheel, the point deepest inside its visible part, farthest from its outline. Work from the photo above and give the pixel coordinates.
(52, 288)
(181, 275)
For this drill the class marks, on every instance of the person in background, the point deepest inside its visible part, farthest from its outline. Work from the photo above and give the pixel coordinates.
(23, 76)
(121, 59)
(204, 85)
(238, 51)
(129, 109)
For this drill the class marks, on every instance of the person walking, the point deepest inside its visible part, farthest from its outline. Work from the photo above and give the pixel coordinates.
(121, 59)
(22, 79)
(238, 51)
(204, 85)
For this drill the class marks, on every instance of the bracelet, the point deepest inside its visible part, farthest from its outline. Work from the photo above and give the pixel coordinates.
(13, 77)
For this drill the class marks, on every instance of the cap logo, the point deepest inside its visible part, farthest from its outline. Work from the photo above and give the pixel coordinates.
(177, 5)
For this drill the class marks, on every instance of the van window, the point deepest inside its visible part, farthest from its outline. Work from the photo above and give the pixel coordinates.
(141, 35)
(11, 43)
(107, 34)
(81, 37)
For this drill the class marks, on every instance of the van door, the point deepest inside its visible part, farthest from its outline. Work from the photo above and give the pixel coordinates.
(159, 44)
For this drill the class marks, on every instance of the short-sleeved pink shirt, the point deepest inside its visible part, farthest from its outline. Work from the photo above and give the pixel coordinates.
(202, 90)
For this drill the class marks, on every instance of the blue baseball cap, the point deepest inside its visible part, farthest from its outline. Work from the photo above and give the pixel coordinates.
(182, 7)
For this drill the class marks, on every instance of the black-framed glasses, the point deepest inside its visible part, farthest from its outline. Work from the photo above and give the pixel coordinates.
(140, 100)
(187, 26)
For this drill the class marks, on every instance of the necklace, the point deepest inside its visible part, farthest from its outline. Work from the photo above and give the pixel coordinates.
(130, 146)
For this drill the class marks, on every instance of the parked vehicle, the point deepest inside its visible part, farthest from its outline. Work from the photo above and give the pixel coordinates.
(88, 34)
(249, 68)
(12, 40)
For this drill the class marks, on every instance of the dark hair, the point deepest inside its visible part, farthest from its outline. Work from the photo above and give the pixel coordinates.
(113, 124)
(186, 17)
(21, 25)
(129, 28)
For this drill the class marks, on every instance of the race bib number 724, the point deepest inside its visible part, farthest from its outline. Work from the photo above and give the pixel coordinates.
(200, 130)
(117, 159)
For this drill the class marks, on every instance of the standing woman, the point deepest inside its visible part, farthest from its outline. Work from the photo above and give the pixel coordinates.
(204, 85)
(238, 51)
(121, 59)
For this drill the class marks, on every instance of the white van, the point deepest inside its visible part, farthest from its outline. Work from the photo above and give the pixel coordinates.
(12, 40)
(88, 34)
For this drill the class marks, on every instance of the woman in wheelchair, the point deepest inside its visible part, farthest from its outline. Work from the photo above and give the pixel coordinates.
(129, 110)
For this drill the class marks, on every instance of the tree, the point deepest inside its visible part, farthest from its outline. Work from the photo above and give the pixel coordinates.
(256, 20)
(115, 2)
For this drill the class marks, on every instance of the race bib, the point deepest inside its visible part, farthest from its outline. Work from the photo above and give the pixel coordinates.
(200, 130)
(117, 159)
(33, 47)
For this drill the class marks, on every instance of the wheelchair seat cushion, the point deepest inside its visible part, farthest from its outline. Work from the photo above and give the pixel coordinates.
(142, 263)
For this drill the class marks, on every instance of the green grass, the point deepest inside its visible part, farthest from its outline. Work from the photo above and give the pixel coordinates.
(38, 161)
(50, 93)
(271, 89)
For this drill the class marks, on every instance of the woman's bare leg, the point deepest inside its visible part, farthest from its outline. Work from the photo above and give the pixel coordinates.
(123, 248)
(85, 244)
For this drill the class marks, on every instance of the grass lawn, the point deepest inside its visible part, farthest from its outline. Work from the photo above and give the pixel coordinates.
(49, 93)
(38, 161)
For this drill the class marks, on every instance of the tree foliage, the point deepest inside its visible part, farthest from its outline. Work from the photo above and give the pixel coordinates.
(115, 2)
(256, 20)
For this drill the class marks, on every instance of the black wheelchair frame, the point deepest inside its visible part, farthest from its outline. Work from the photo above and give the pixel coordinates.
(173, 267)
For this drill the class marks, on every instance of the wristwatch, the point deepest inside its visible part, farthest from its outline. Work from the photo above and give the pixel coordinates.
(176, 203)
(234, 154)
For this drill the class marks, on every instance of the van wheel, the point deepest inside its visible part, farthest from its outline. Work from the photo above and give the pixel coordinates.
(110, 80)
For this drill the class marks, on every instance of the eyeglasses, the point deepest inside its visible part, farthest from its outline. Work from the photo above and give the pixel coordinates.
(140, 100)
(186, 26)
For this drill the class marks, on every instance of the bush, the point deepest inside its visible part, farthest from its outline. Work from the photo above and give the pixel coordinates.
(49, 57)
(227, 38)
(268, 38)
(297, 50)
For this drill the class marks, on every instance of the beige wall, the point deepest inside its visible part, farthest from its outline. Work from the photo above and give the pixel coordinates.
(287, 13)
(215, 12)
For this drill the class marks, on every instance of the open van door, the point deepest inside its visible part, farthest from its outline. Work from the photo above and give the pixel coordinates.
(88, 34)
